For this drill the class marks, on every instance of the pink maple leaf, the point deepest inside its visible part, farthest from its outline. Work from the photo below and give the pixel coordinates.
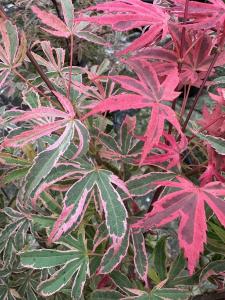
(196, 58)
(188, 205)
(213, 121)
(148, 92)
(124, 15)
(171, 152)
(68, 27)
(202, 15)
(60, 120)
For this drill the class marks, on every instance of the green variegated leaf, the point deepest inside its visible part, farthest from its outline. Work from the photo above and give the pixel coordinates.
(100, 235)
(42, 222)
(75, 203)
(143, 184)
(79, 280)
(13, 214)
(169, 294)
(220, 232)
(8, 159)
(32, 99)
(213, 268)
(68, 12)
(12, 34)
(140, 255)
(216, 142)
(84, 139)
(184, 280)
(36, 81)
(47, 159)
(59, 279)
(115, 211)
(50, 203)
(21, 235)
(120, 280)
(160, 258)
(58, 173)
(46, 258)
(14, 175)
(114, 255)
(177, 266)
(8, 231)
(91, 37)
(106, 295)
(9, 252)
(3, 291)
(107, 140)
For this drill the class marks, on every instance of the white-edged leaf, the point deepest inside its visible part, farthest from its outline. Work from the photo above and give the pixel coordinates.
(46, 258)
(47, 159)
(216, 142)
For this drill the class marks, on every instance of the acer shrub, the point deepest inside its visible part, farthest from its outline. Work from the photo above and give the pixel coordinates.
(129, 207)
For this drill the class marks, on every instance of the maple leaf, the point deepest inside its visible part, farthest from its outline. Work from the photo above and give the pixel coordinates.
(148, 92)
(45, 121)
(124, 15)
(214, 121)
(196, 58)
(215, 166)
(172, 150)
(201, 15)
(122, 146)
(68, 27)
(60, 120)
(220, 99)
(12, 50)
(55, 57)
(188, 204)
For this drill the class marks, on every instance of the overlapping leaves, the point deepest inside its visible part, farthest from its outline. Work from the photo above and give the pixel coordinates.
(148, 92)
(74, 264)
(13, 50)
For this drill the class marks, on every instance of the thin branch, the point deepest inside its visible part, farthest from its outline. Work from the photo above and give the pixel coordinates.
(40, 71)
